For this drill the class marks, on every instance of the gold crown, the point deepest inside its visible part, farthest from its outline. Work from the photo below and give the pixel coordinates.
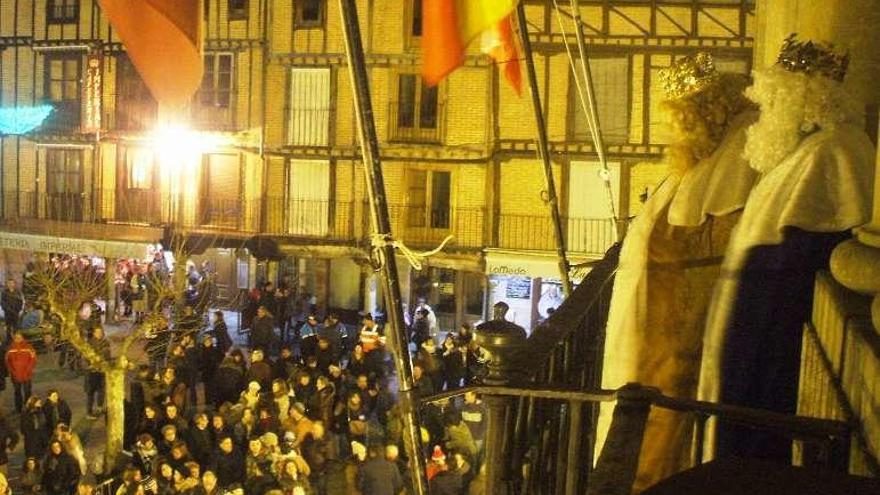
(689, 76)
(812, 58)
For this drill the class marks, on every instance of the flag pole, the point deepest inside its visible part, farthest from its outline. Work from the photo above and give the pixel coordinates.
(383, 250)
(544, 150)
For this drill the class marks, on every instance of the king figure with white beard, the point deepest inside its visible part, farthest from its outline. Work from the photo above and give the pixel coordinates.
(816, 166)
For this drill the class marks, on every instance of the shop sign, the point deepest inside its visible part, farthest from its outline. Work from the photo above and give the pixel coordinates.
(92, 84)
(48, 244)
(523, 265)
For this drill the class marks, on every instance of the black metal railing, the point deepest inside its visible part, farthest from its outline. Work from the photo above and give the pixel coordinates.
(408, 125)
(347, 221)
(535, 232)
(548, 410)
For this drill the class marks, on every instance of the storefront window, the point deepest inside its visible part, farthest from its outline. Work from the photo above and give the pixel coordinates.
(472, 288)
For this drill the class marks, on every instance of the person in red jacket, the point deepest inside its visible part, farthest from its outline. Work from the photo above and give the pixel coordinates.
(21, 359)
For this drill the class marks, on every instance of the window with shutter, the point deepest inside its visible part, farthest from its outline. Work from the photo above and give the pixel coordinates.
(416, 113)
(214, 106)
(221, 195)
(428, 198)
(611, 89)
(64, 184)
(590, 223)
(308, 195)
(136, 195)
(309, 121)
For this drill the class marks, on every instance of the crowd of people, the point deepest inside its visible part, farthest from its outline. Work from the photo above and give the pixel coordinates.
(305, 405)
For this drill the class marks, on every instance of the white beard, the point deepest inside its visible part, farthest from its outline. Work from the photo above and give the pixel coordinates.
(773, 137)
(792, 106)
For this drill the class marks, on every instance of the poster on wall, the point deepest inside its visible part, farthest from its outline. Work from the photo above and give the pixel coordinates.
(519, 287)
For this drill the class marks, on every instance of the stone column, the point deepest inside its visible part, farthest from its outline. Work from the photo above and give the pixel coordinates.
(856, 263)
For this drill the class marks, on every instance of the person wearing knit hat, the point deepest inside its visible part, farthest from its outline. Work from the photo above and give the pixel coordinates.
(437, 464)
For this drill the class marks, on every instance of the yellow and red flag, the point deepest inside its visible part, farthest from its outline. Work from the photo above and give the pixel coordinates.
(163, 40)
(449, 26)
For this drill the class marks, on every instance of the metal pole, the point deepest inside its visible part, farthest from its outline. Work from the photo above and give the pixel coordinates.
(544, 150)
(593, 114)
(382, 229)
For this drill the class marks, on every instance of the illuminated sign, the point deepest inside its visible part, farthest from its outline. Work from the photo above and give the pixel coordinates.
(49, 244)
(91, 121)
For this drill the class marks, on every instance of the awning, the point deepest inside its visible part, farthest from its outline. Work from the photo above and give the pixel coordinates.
(91, 247)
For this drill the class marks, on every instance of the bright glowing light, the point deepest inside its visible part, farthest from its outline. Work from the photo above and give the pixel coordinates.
(181, 140)
(19, 120)
(180, 148)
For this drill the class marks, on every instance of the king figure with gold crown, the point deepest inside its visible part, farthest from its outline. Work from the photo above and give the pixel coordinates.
(672, 254)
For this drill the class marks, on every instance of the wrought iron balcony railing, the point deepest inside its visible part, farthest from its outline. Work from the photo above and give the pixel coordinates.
(337, 221)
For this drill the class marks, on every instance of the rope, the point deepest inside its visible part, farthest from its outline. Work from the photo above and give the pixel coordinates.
(414, 258)
(592, 119)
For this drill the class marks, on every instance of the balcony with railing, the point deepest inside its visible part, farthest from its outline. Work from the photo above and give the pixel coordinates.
(405, 125)
(535, 232)
(310, 219)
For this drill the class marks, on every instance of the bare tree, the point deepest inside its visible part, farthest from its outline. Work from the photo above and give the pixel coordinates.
(66, 287)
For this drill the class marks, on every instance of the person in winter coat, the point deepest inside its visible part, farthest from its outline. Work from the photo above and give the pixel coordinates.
(229, 380)
(95, 384)
(431, 362)
(60, 471)
(56, 410)
(378, 476)
(145, 454)
(220, 332)
(21, 359)
(259, 371)
(72, 445)
(228, 463)
(263, 331)
(33, 428)
(458, 435)
(210, 359)
(320, 451)
(8, 441)
(320, 404)
(200, 441)
(12, 303)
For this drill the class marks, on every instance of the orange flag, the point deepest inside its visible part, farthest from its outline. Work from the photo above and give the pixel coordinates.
(163, 39)
(449, 26)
